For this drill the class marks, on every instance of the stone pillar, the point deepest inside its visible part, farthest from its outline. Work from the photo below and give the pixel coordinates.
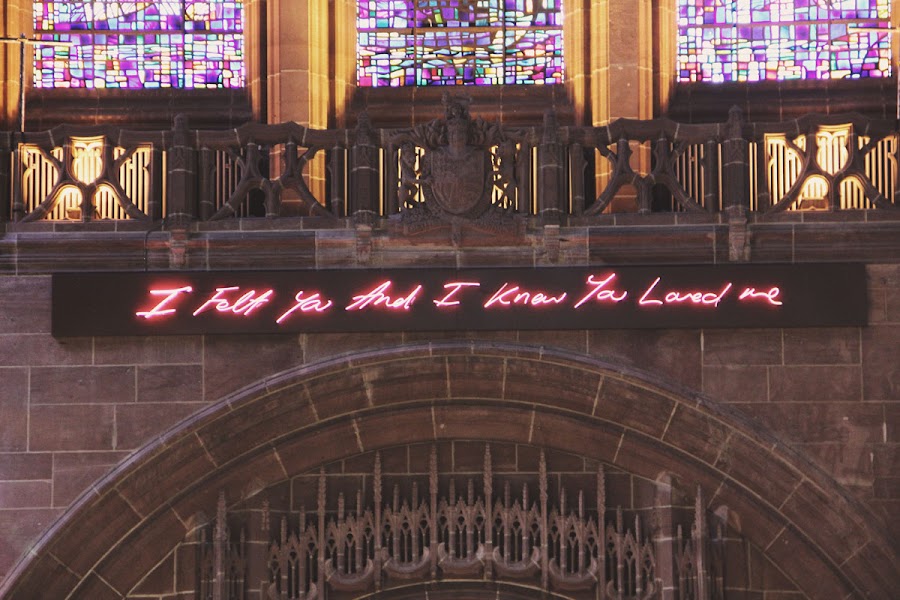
(344, 59)
(181, 185)
(578, 47)
(6, 180)
(551, 173)
(15, 20)
(622, 78)
(700, 535)
(665, 41)
(187, 563)
(622, 60)
(895, 56)
(297, 49)
(255, 54)
(599, 63)
(664, 538)
(298, 76)
(736, 191)
(736, 166)
(181, 175)
(364, 179)
(257, 549)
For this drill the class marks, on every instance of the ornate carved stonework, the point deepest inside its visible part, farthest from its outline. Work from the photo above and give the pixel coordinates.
(542, 541)
(449, 174)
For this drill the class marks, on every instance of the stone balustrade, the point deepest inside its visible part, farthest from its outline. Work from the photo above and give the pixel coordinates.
(560, 174)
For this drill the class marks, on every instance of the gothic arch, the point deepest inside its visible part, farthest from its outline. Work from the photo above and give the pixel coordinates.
(315, 414)
(462, 591)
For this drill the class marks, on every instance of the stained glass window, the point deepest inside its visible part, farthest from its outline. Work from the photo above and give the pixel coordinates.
(756, 40)
(155, 44)
(459, 42)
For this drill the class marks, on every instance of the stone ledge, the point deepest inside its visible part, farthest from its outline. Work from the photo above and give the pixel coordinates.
(293, 223)
(37, 248)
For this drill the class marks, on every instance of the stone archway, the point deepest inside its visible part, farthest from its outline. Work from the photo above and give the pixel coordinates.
(462, 591)
(316, 414)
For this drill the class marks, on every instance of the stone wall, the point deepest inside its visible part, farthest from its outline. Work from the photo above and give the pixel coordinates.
(71, 409)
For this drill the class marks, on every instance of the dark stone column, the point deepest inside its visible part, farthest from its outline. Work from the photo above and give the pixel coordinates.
(6, 190)
(364, 174)
(257, 550)
(736, 193)
(551, 173)
(181, 177)
(664, 538)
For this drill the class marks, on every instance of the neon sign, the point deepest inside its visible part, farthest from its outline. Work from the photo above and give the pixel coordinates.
(475, 299)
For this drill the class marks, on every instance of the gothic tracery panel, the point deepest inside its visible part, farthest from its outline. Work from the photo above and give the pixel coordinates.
(531, 531)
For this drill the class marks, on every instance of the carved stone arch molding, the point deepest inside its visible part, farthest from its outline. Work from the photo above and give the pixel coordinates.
(471, 590)
(314, 415)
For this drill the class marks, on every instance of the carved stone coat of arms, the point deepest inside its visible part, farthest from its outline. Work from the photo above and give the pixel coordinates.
(449, 173)
(456, 180)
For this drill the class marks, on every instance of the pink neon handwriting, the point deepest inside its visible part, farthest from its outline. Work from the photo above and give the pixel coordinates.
(511, 294)
(387, 296)
(306, 304)
(162, 308)
(454, 286)
(378, 296)
(697, 297)
(244, 305)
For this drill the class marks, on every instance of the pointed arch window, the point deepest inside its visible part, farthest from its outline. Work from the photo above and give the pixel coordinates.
(458, 42)
(190, 44)
(758, 40)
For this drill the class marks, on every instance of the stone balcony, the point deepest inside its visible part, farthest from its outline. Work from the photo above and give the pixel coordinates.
(816, 189)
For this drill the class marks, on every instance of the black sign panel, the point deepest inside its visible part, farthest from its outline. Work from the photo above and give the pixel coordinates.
(169, 303)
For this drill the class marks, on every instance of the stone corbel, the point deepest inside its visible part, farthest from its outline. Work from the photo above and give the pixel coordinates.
(363, 243)
(738, 238)
(550, 241)
(177, 242)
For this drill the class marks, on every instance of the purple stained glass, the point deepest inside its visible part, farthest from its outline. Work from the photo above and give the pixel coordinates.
(459, 42)
(756, 40)
(140, 45)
